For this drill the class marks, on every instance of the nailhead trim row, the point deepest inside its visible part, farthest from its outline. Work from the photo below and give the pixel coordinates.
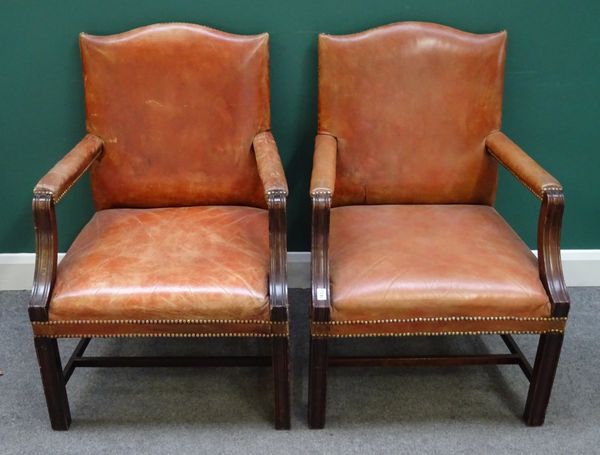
(442, 319)
(160, 321)
(171, 335)
(366, 335)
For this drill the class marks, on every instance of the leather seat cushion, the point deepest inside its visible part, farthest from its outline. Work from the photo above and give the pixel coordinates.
(187, 263)
(430, 261)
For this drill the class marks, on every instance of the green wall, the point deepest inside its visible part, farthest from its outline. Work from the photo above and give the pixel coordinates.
(552, 95)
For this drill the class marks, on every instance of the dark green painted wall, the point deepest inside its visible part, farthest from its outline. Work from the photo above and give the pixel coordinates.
(552, 95)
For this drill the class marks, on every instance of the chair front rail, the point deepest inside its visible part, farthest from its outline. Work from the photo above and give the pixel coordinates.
(321, 292)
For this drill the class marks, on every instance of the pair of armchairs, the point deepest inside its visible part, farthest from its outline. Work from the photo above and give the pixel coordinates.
(189, 236)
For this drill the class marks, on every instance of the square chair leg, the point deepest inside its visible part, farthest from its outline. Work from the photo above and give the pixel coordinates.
(281, 377)
(54, 383)
(317, 383)
(544, 370)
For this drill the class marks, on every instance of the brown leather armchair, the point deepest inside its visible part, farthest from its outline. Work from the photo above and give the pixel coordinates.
(405, 239)
(189, 236)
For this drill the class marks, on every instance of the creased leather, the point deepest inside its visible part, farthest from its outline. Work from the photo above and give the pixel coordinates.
(411, 105)
(521, 165)
(66, 172)
(167, 263)
(177, 106)
(410, 261)
(324, 163)
(269, 164)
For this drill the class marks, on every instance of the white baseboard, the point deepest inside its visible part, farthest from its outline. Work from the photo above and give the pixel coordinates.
(581, 268)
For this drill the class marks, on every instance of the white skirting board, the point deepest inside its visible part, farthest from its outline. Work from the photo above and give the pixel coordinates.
(581, 268)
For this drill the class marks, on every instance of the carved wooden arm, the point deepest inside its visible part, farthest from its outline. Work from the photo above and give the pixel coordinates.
(549, 190)
(49, 190)
(272, 176)
(322, 186)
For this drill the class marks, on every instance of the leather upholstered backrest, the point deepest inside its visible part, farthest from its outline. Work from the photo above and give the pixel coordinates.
(177, 107)
(410, 105)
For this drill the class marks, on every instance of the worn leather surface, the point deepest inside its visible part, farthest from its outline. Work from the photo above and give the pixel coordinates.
(324, 165)
(412, 261)
(183, 263)
(521, 165)
(411, 105)
(269, 164)
(177, 106)
(66, 172)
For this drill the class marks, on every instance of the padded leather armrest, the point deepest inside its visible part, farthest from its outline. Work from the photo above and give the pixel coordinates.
(324, 162)
(70, 168)
(521, 165)
(269, 164)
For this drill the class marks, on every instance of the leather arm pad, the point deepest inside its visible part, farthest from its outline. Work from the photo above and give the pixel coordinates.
(269, 164)
(324, 162)
(70, 168)
(521, 165)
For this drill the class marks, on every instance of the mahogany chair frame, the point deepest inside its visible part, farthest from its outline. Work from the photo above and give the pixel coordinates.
(540, 376)
(55, 377)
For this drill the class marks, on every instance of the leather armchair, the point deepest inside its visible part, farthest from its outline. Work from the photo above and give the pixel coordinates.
(189, 236)
(405, 239)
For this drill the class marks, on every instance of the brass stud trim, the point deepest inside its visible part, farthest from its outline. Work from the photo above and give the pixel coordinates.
(281, 328)
(441, 319)
(159, 321)
(483, 332)
(168, 335)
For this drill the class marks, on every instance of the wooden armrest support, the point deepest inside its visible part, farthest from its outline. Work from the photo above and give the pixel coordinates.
(321, 292)
(46, 256)
(278, 291)
(521, 165)
(269, 164)
(548, 243)
(70, 168)
(324, 162)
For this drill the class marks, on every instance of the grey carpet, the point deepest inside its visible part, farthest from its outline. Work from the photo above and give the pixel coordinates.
(473, 409)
